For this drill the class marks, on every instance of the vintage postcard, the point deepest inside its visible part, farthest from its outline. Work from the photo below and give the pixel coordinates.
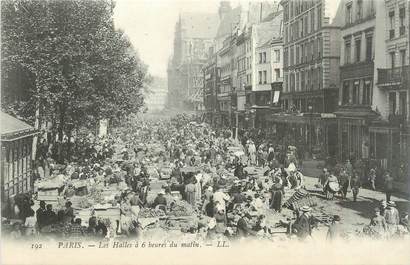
(205, 132)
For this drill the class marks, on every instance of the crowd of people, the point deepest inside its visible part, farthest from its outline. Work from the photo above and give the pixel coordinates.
(235, 189)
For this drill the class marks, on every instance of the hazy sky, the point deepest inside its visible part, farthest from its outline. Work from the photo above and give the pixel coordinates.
(150, 25)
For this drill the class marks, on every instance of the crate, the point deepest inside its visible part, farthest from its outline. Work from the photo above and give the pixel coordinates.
(110, 213)
(47, 195)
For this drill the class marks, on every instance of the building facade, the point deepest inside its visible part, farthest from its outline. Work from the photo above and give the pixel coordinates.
(389, 135)
(311, 74)
(357, 52)
(194, 36)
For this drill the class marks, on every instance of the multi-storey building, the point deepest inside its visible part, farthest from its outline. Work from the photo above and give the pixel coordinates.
(194, 35)
(390, 134)
(225, 82)
(356, 78)
(311, 74)
(211, 79)
(266, 68)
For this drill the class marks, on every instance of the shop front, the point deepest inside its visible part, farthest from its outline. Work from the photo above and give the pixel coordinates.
(316, 134)
(16, 154)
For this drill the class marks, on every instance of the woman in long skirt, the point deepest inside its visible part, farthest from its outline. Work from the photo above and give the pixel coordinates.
(190, 190)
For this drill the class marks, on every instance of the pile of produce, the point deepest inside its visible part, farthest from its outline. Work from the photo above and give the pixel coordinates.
(96, 195)
(181, 224)
(181, 208)
(85, 203)
(150, 213)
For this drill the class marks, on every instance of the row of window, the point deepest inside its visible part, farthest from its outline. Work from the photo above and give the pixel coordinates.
(262, 77)
(356, 12)
(303, 52)
(304, 80)
(263, 58)
(295, 7)
(307, 24)
(392, 23)
(303, 104)
(357, 92)
(393, 56)
(357, 55)
(398, 103)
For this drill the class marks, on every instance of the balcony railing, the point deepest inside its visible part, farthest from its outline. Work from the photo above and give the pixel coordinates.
(394, 75)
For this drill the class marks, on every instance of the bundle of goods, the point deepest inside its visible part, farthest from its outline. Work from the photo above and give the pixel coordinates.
(165, 172)
(114, 179)
(80, 202)
(96, 195)
(182, 224)
(152, 172)
(181, 208)
(149, 213)
(300, 198)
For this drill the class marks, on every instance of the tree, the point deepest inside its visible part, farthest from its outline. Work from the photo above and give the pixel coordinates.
(79, 68)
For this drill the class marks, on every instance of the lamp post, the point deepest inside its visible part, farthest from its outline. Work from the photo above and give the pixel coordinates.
(310, 108)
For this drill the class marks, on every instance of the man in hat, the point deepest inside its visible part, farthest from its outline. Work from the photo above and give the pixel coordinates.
(378, 223)
(160, 199)
(335, 230)
(304, 224)
(252, 152)
(243, 226)
(276, 193)
(383, 206)
(392, 217)
(388, 185)
(220, 196)
(41, 215)
(355, 184)
(372, 178)
(324, 177)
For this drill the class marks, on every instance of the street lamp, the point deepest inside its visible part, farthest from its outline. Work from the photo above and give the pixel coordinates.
(310, 108)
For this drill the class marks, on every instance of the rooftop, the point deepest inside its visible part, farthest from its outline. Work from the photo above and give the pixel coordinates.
(12, 127)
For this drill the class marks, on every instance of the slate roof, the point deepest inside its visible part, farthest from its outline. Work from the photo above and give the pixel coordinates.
(12, 127)
(268, 30)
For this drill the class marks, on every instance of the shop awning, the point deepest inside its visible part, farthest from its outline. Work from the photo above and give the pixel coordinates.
(302, 118)
(12, 128)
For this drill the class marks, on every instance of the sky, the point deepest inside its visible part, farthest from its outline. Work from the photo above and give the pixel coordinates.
(150, 25)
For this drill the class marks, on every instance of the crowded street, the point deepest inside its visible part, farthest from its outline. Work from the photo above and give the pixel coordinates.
(161, 176)
(205, 132)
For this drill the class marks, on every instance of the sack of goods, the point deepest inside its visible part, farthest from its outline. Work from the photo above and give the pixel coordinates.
(181, 208)
(150, 213)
